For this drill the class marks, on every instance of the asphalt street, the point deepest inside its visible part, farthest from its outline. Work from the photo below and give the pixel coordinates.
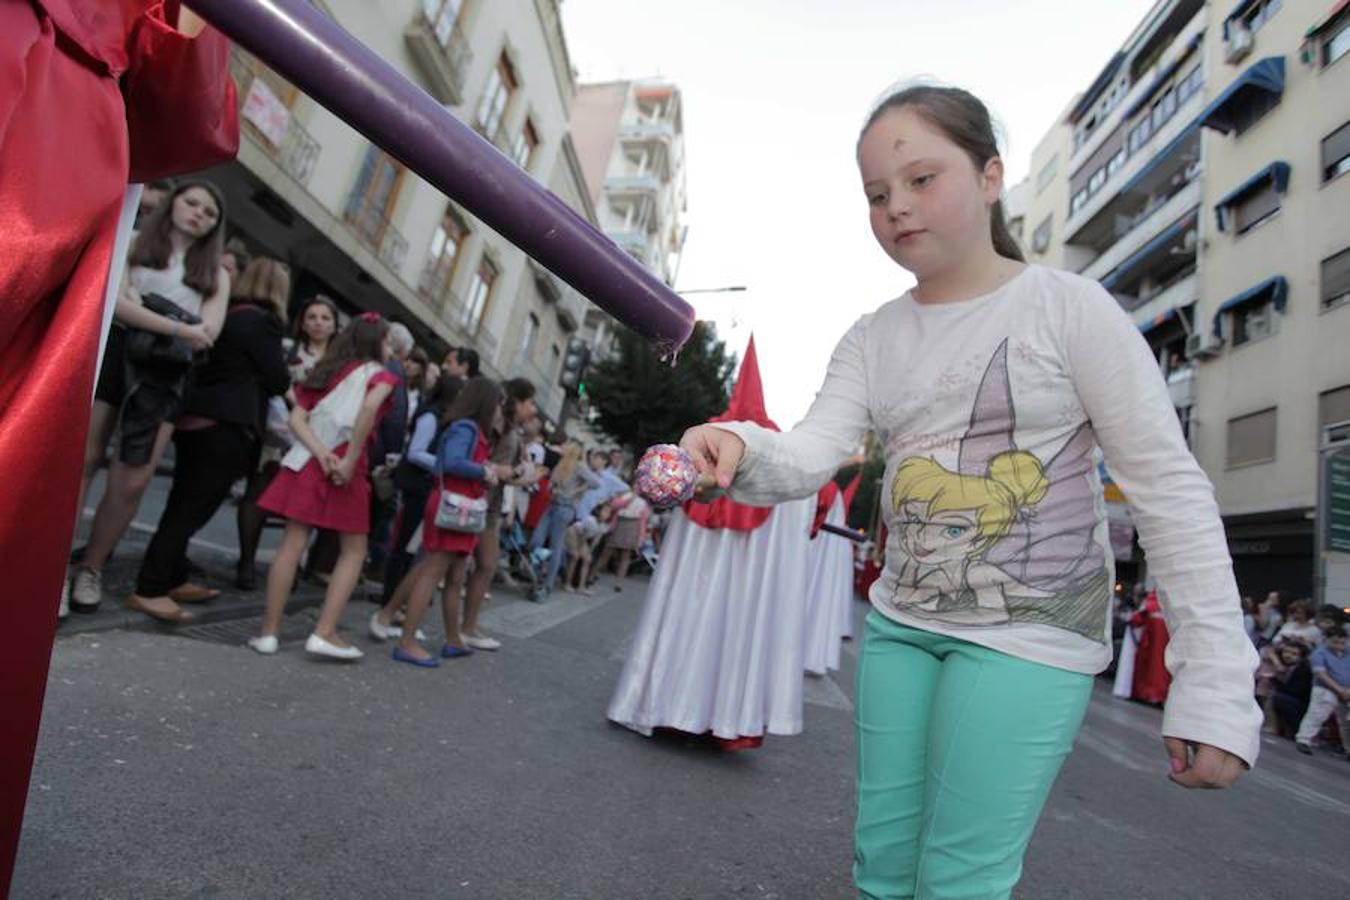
(184, 765)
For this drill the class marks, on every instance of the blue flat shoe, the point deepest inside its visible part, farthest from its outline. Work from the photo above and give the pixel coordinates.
(401, 655)
(450, 651)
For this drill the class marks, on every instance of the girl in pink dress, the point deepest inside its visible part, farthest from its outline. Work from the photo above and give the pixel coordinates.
(474, 419)
(323, 483)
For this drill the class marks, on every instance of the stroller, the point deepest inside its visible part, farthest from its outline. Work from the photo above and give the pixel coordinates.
(522, 565)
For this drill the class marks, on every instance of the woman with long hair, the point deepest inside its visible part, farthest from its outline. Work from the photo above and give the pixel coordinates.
(323, 480)
(174, 286)
(219, 435)
(415, 477)
(462, 468)
(315, 324)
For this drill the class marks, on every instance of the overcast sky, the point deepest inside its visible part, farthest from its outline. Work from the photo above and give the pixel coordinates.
(774, 94)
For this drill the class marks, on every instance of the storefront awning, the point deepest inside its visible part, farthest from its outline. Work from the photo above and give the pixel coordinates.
(1162, 318)
(1144, 253)
(1266, 75)
(1274, 290)
(1236, 13)
(1276, 174)
(1336, 9)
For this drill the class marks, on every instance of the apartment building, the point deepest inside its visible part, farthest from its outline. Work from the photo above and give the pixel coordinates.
(357, 225)
(630, 140)
(1200, 179)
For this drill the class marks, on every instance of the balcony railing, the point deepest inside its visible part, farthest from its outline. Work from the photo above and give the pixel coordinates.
(271, 124)
(1158, 141)
(1181, 386)
(1137, 231)
(632, 240)
(1184, 291)
(645, 183)
(442, 52)
(647, 129)
(374, 230)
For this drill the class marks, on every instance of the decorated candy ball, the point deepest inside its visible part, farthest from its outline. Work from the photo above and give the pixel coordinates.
(665, 476)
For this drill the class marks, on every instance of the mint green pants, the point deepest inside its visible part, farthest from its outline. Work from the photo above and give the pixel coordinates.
(958, 746)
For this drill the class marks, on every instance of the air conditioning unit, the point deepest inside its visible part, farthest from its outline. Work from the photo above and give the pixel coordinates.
(1239, 44)
(1203, 345)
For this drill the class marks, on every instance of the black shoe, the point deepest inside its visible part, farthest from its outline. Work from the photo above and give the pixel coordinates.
(1303, 748)
(246, 578)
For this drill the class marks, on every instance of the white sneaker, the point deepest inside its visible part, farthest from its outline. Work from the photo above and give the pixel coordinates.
(320, 647)
(86, 591)
(265, 644)
(380, 631)
(481, 642)
(63, 609)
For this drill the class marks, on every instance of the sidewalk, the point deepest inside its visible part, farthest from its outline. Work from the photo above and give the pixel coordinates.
(119, 580)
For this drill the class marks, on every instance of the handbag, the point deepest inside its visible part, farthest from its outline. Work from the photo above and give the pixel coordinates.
(161, 352)
(456, 512)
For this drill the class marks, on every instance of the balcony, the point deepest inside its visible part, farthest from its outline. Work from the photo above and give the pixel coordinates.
(1181, 386)
(1133, 232)
(632, 240)
(270, 124)
(1179, 294)
(647, 130)
(373, 229)
(442, 52)
(645, 183)
(1175, 143)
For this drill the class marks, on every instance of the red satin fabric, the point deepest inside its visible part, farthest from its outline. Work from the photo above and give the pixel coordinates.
(824, 500)
(1151, 678)
(747, 405)
(63, 172)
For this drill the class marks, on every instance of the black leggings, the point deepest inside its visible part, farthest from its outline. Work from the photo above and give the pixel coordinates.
(208, 461)
(412, 504)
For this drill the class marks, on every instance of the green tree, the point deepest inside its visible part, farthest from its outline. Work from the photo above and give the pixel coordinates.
(641, 400)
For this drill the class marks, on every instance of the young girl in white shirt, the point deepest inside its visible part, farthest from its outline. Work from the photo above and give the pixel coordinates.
(993, 384)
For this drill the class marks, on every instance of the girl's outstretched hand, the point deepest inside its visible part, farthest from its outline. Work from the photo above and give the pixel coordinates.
(1202, 765)
(716, 453)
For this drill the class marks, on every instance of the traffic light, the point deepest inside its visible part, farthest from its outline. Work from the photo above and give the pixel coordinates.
(574, 365)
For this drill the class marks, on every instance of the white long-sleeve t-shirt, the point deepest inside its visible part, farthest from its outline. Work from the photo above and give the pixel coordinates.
(994, 413)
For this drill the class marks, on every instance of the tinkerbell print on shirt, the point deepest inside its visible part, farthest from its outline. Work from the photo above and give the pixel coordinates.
(999, 535)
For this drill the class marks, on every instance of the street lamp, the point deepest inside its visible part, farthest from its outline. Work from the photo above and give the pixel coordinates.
(720, 290)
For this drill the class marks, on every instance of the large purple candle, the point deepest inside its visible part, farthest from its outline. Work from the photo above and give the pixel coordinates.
(337, 70)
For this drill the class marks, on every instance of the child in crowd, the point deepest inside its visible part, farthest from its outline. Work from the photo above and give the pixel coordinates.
(323, 480)
(1330, 693)
(472, 421)
(582, 537)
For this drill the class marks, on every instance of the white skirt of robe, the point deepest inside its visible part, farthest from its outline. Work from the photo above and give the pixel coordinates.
(829, 596)
(719, 644)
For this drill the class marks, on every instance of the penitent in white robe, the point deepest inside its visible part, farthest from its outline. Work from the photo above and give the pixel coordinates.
(829, 596)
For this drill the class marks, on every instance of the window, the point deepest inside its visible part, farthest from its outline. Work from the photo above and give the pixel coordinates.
(1337, 43)
(372, 199)
(1115, 164)
(557, 360)
(1251, 439)
(1256, 206)
(476, 301)
(1098, 179)
(1047, 173)
(1336, 153)
(1189, 85)
(522, 148)
(1333, 407)
(1040, 238)
(527, 339)
(1258, 14)
(1141, 133)
(496, 95)
(1336, 279)
(446, 242)
(1079, 199)
(1254, 322)
(442, 16)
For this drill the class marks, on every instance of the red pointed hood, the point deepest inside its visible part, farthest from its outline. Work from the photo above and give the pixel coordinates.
(747, 405)
(747, 397)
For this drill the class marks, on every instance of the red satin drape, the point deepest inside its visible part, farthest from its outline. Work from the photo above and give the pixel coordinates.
(63, 173)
